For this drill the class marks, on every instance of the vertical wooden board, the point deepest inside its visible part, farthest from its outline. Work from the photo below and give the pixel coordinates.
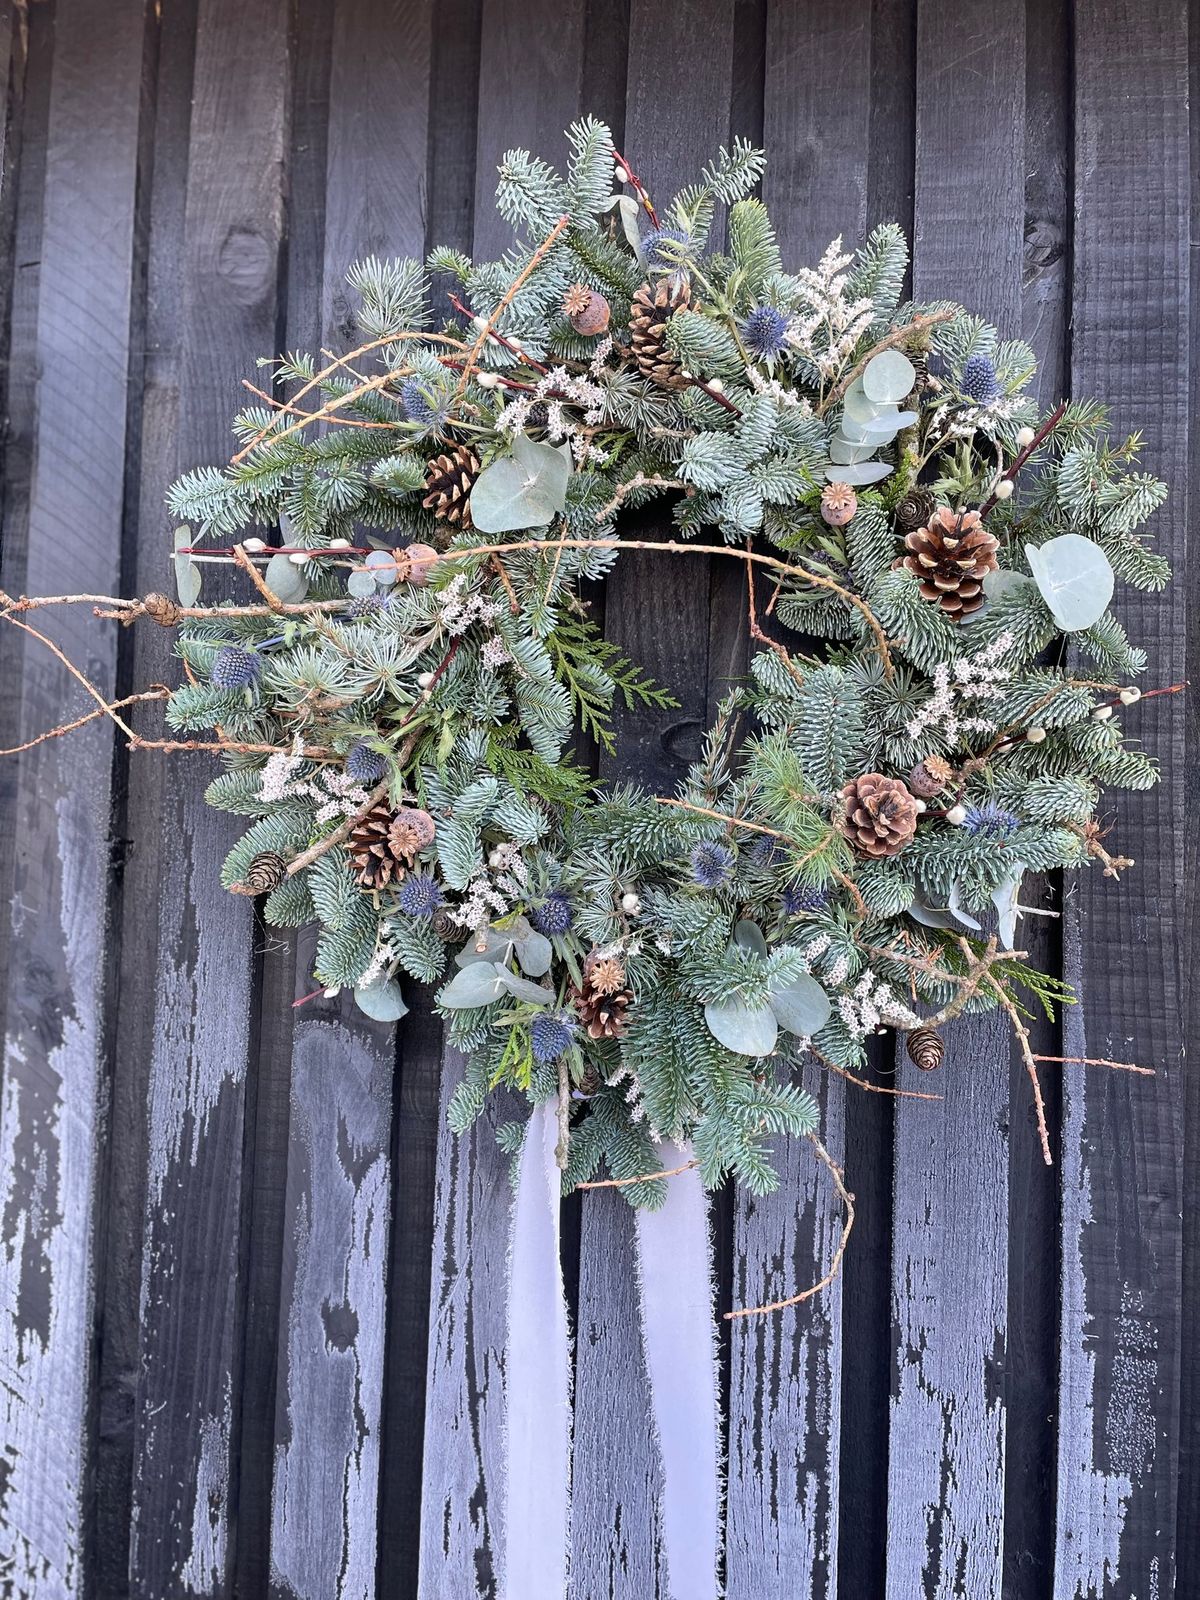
(659, 610)
(462, 1480)
(950, 1259)
(53, 1085)
(785, 1377)
(1121, 1308)
(186, 1448)
(329, 1393)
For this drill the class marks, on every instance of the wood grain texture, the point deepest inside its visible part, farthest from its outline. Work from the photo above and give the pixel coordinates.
(1121, 1310)
(54, 1086)
(950, 1262)
(186, 1460)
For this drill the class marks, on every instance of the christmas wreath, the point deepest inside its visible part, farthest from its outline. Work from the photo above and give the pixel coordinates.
(932, 712)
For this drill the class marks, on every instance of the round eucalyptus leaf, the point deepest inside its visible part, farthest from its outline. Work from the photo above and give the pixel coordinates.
(498, 946)
(187, 573)
(746, 1030)
(858, 475)
(285, 580)
(534, 954)
(856, 405)
(382, 565)
(842, 452)
(888, 376)
(476, 985)
(888, 424)
(749, 936)
(360, 584)
(956, 910)
(932, 916)
(381, 1000)
(1075, 577)
(802, 1007)
(521, 988)
(1004, 898)
(525, 490)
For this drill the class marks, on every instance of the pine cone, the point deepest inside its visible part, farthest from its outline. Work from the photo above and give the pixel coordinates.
(266, 871)
(925, 1047)
(162, 609)
(915, 510)
(369, 847)
(449, 479)
(951, 556)
(600, 1006)
(880, 814)
(653, 305)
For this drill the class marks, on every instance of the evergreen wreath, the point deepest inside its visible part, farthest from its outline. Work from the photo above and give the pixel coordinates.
(394, 707)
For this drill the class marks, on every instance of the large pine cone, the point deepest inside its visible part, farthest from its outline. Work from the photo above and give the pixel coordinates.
(449, 479)
(880, 814)
(951, 557)
(370, 849)
(653, 306)
(603, 1001)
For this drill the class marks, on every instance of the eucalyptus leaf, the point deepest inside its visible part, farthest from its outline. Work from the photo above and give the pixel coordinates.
(187, 573)
(525, 490)
(746, 1030)
(1004, 898)
(857, 476)
(381, 1000)
(932, 916)
(476, 985)
(749, 936)
(382, 566)
(521, 988)
(802, 1007)
(956, 910)
(857, 406)
(1075, 578)
(843, 452)
(498, 946)
(285, 580)
(888, 376)
(534, 954)
(360, 584)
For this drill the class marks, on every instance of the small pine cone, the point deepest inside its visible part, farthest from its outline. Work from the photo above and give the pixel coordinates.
(266, 872)
(162, 609)
(879, 816)
(603, 1015)
(371, 855)
(449, 479)
(929, 777)
(605, 974)
(653, 306)
(838, 504)
(920, 363)
(410, 831)
(925, 1047)
(445, 927)
(951, 557)
(586, 310)
(915, 510)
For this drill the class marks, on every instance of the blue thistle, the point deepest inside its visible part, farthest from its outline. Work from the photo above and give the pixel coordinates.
(656, 258)
(365, 765)
(366, 605)
(765, 331)
(712, 863)
(979, 381)
(990, 821)
(797, 898)
(234, 669)
(420, 895)
(424, 406)
(553, 915)
(550, 1035)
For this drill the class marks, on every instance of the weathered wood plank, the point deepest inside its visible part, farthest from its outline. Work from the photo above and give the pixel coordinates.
(950, 1262)
(660, 611)
(1121, 1310)
(785, 1372)
(54, 1086)
(189, 1395)
(330, 1388)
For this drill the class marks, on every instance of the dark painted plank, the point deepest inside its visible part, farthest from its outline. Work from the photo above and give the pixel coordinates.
(785, 1376)
(1121, 1308)
(189, 1397)
(54, 1055)
(328, 1402)
(661, 612)
(950, 1262)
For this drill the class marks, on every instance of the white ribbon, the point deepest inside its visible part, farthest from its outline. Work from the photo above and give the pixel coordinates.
(537, 1371)
(678, 1337)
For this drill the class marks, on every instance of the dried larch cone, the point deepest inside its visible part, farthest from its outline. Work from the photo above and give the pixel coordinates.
(266, 872)
(879, 814)
(925, 1048)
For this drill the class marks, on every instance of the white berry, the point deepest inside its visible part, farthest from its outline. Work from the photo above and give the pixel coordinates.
(921, 806)
(299, 558)
(1035, 735)
(425, 680)
(332, 994)
(956, 816)
(1130, 696)
(631, 903)
(1102, 713)
(488, 380)
(1004, 489)
(253, 545)
(1025, 437)
(716, 386)
(339, 544)
(479, 320)
(621, 175)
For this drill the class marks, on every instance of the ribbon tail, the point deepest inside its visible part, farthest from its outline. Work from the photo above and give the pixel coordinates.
(537, 1370)
(679, 1340)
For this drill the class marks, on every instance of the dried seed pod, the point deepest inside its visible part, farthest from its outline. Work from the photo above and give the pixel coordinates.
(411, 830)
(586, 310)
(838, 504)
(929, 777)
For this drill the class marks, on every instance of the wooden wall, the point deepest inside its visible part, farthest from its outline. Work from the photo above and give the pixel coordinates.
(250, 1288)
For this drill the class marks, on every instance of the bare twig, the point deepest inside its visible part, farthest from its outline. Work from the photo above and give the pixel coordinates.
(1097, 1061)
(1022, 1033)
(159, 692)
(535, 260)
(563, 1114)
(1019, 461)
(835, 1265)
(107, 707)
(640, 480)
(865, 1083)
(642, 1177)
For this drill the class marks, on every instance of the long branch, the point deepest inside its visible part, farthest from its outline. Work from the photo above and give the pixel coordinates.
(506, 300)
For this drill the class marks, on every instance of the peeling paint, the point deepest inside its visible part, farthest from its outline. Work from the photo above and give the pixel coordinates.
(204, 1568)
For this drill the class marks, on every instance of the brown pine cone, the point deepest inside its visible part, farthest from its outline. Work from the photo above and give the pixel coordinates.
(449, 479)
(951, 556)
(930, 777)
(880, 815)
(266, 872)
(410, 831)
(653, 306)
(915, 510)
(603, 1001)
(925, 1047)
(369, 847)
(162, 609)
